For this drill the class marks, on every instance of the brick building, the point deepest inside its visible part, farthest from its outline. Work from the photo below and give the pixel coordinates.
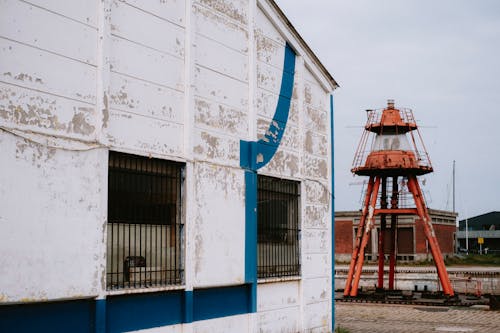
(410, 238)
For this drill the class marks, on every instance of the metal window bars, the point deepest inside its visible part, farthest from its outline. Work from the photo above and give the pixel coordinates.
(145, 228)
(278, 229)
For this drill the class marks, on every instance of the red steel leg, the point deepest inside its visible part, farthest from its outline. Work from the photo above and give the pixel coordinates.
(359, 233)
(366, 237)
(383, 205)
(392, 256)
(414, 188)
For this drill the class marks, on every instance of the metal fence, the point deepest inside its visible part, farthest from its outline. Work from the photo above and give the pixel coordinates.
(144, 244)
(278, 227)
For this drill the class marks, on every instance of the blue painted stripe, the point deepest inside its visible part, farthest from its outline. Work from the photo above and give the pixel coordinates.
(68, 316)
(250, 226)
(188, 307)
(220, 302)
(100, 316)
(333, 212)
(255, 155)
(140, 311)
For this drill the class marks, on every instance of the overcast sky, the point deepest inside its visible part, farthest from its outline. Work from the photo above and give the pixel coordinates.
(440, 58)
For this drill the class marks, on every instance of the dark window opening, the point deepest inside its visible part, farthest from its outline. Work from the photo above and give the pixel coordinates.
(278, 227)
(144, 222)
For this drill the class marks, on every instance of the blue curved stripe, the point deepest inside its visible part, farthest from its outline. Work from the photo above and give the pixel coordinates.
(256, 154)
(253, 156)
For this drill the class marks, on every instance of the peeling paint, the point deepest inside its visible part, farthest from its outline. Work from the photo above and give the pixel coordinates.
(228, 8)
(221, 117)
(105, 110)
(316, 144)
(35, 153)
(316, 120)
(24, 108)
(24, 77)
(268, 50)
(307, 94)
(316, 217)
(284, 163)
(222, 24)
(316, 167)
(217, 148)
(316, 192)
(198, 252)
(79, 122)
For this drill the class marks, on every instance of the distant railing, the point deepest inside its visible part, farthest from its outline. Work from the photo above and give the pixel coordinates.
(479, 234)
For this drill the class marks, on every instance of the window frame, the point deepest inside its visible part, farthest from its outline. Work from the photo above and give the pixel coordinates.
(279, 251)
(160, 263)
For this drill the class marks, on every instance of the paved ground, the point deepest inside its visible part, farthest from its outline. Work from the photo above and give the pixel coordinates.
(374, 318)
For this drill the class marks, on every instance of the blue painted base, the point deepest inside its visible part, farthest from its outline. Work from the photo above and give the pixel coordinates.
(127, 312)
(54, 317)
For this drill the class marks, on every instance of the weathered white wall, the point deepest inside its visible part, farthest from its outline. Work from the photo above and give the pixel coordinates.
(304, 155)
(184, 80)
(52, 201)
(219, 95)
(51, 219)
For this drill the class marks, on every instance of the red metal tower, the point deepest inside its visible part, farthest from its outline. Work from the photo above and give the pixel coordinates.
(396, 151)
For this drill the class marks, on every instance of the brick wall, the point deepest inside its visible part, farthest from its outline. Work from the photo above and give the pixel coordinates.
(444, 234)
(343, 237)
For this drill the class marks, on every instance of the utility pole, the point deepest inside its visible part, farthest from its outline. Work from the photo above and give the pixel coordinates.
(453, 186)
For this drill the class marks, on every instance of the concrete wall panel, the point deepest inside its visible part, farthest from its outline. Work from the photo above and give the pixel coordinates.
(220, 88)
(279, 320)
(124, 24)
(213, 148)
(144, 134)
(221, 28)
(146, 64)
(237, 10)
(273, 296)
(223, 325)
(53, 216)
(316, 241)
(218, 226)
(220, 58)
(35, 111)
(317, 290)
(83, 11)
(171, 10)
(45, 30)
(265, 27)
(20, 66)
(316, 265)
(146, 99)
(220, 118)
(317, 317)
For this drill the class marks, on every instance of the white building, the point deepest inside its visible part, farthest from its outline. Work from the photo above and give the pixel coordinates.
(165, 166)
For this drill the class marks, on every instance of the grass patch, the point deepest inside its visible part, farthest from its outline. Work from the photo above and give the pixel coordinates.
(341, 330)
(473, 260)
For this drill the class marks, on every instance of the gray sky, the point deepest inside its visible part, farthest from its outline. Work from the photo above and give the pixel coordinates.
(439, 58)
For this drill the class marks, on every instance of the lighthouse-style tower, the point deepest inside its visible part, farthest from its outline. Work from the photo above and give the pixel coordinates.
(397, 156)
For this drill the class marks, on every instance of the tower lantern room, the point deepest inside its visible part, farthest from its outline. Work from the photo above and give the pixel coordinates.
(391, 144)
(392, 153)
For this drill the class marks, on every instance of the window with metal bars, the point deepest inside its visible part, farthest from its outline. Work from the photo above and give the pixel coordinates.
(278, 229)
(145, 228)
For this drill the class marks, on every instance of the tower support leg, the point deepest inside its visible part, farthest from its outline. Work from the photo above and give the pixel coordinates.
(392, 255)
(359, 234)
(381, 234)
(414, 188)
(365, 238)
